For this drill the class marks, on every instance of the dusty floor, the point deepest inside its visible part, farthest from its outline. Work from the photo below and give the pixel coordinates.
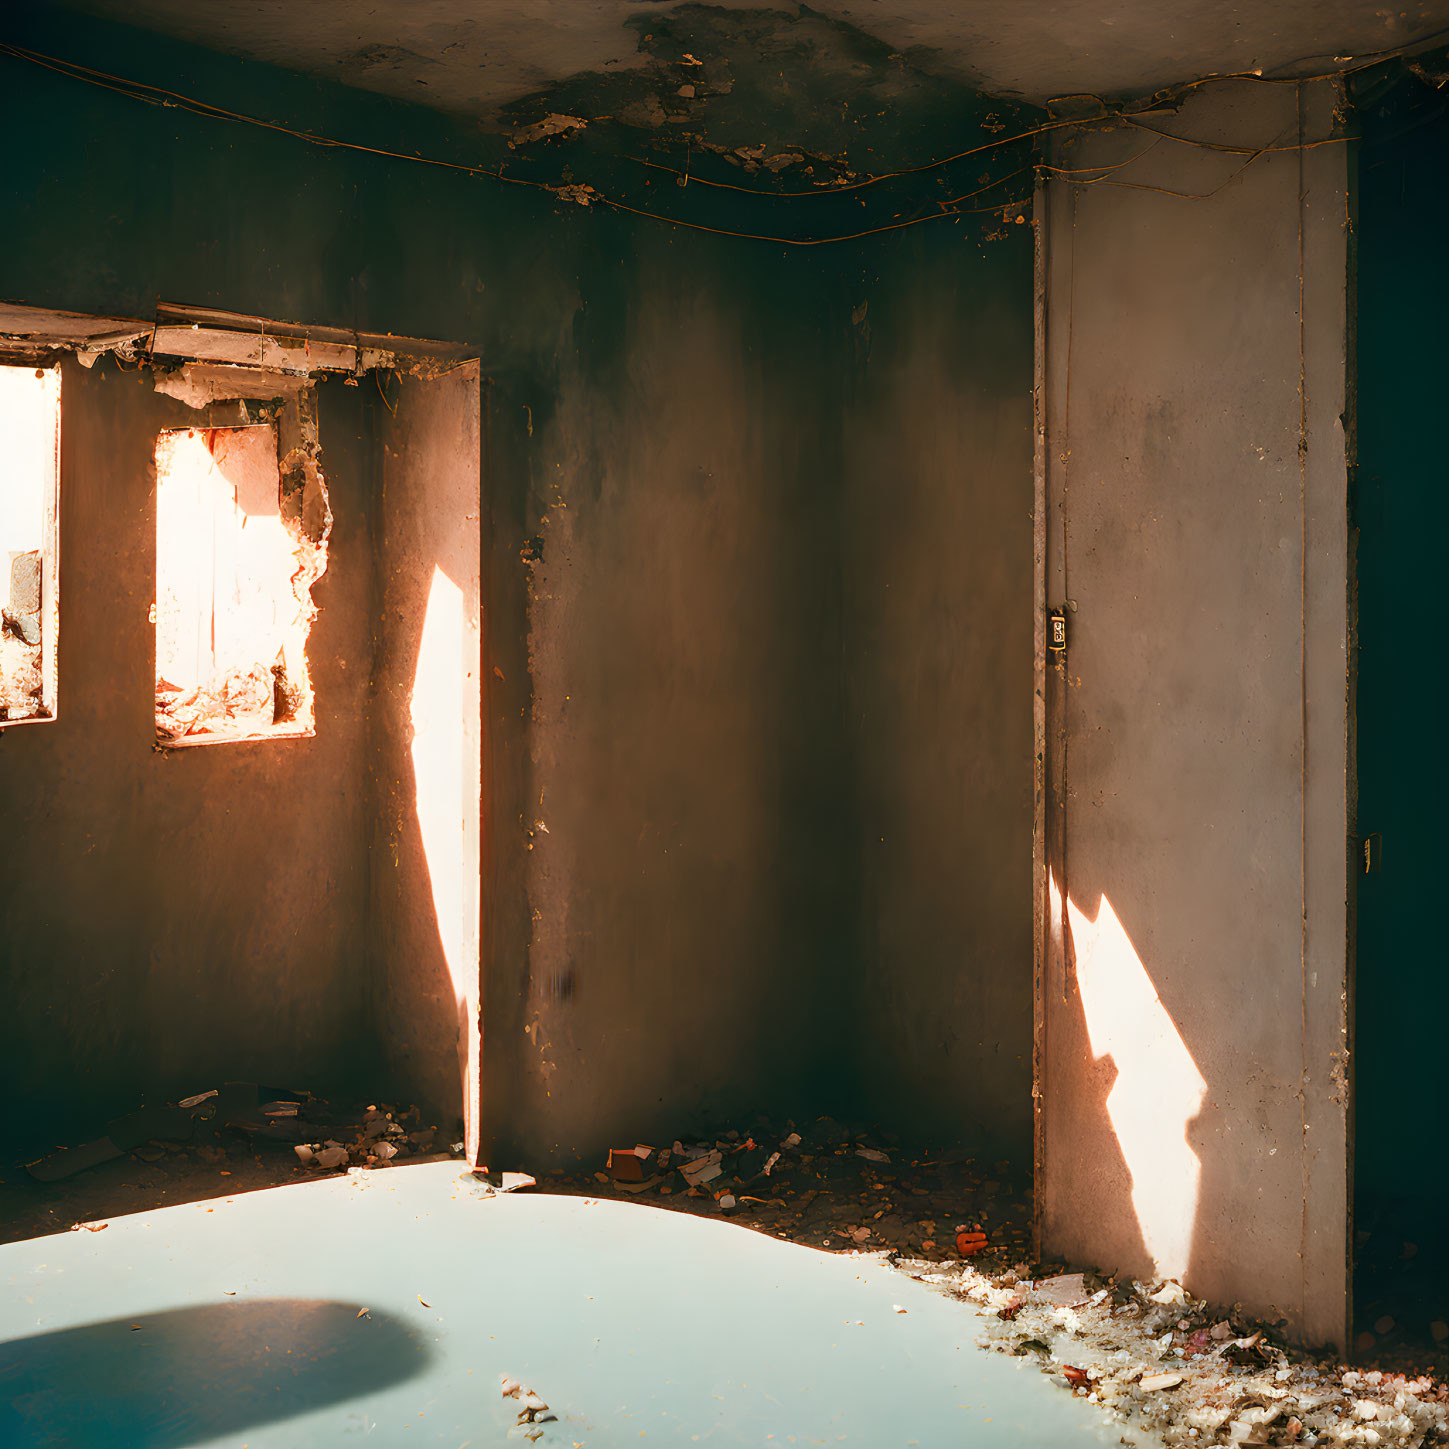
(1189, 1371)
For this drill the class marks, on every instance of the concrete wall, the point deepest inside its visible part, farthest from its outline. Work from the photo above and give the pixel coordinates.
(176, 919)
(683, 846)
(1194, 1090)
(427, 748)
(937, 542)
(687, 447)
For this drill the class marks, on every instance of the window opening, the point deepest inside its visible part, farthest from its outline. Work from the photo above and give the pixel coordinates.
(29, 498)
(241, 537)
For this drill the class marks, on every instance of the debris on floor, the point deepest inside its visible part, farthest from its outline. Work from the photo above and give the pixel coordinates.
(824, 1183)
(497, 1182)
(532, 1410)
(321, 1136)
(1160, 1360)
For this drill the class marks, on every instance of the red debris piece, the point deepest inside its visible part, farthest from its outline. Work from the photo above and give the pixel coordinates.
(626, 1164)
(970, 1240)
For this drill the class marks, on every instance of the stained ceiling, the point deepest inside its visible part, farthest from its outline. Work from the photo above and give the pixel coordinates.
(474, 57)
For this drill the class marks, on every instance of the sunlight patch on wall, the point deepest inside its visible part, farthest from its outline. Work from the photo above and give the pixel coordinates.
(445, 782)
(436, 711)
(1158, 1090)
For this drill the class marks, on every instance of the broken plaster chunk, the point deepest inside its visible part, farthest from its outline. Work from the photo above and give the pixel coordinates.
(330, 1157)
(510, 1387)
(552, 124)
(1064, 1291)
(578, 194)
(1152, 1383)
(385, 1150)
(1171, 1294)
(25, 574)
(703, 1169)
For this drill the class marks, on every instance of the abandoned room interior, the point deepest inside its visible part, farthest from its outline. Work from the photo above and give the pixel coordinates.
(711, 722)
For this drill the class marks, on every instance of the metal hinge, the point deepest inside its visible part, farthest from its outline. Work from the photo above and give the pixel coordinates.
(1057, 631)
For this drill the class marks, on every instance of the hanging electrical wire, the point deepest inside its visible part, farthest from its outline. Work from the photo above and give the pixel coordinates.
(1107, 114)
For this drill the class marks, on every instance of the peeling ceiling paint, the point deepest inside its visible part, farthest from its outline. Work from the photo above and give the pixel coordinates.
(473, 58)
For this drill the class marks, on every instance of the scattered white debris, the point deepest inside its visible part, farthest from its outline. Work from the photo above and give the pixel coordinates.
(1221, 1385)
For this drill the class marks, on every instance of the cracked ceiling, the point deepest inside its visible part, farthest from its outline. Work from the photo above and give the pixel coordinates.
(470, 58)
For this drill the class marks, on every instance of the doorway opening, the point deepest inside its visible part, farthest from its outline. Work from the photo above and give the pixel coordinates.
(1400, 506)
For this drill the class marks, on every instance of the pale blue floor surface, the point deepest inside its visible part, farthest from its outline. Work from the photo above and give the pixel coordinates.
(637, 1325)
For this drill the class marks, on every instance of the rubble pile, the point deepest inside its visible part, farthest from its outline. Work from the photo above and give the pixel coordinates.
(383, 1134)
(826, 1184)
(1160, 1360)
(21, 688)
(320, 1135)
(244, 699)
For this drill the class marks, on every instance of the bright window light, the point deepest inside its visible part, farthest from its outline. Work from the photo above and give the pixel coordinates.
(233, 591)
(29, 497)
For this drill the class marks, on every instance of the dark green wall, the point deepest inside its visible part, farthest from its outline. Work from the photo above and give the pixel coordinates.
(757, 573)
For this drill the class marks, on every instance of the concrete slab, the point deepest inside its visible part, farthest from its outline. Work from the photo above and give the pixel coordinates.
(383, 1307)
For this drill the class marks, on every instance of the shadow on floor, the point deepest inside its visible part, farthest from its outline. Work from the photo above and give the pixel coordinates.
(190, 1375)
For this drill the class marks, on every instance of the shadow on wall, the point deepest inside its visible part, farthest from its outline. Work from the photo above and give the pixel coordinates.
(190, 1375)
(1147, 1170)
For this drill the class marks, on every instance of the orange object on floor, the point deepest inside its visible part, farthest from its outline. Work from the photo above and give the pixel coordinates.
(970, 1240)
